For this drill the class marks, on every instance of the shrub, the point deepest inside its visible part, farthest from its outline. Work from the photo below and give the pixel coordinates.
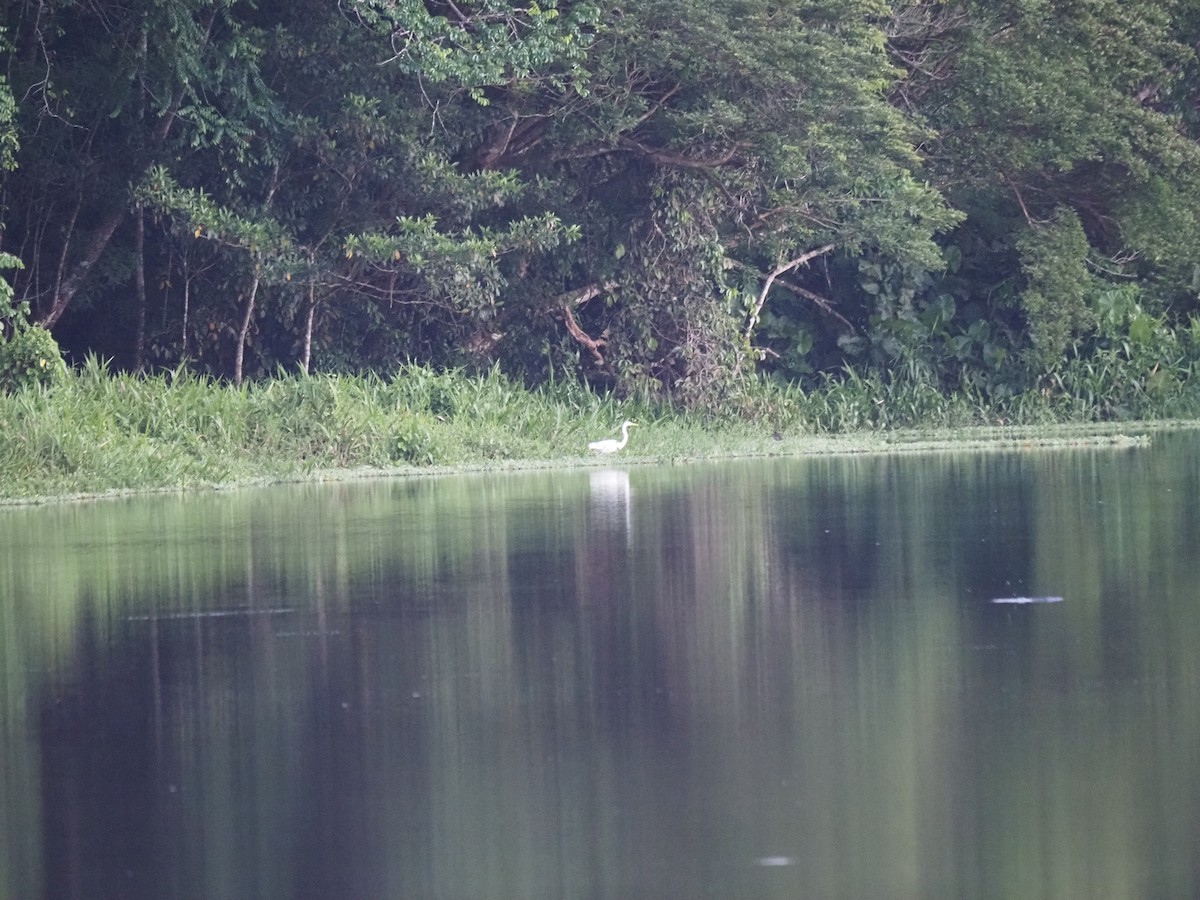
(29, 355)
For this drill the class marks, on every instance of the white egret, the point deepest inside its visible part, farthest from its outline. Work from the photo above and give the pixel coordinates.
(612, 445)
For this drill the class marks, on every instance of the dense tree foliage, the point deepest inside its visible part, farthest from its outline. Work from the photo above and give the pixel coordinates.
(645, 195)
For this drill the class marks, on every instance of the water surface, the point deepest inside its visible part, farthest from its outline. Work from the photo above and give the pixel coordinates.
(748, 679)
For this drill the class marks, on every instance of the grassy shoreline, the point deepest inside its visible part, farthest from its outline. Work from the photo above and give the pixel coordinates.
(902, 441)
(96, 434)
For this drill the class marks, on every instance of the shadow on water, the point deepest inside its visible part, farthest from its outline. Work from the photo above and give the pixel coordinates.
(752, 679)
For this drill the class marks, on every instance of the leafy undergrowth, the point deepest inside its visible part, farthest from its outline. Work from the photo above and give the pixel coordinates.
(95, 432)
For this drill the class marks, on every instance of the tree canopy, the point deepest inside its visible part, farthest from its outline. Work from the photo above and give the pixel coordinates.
(646, 195)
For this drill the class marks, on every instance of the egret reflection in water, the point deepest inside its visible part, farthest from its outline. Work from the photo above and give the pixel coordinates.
(610, 504)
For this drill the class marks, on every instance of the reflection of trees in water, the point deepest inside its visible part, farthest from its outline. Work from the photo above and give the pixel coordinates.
(793, 659)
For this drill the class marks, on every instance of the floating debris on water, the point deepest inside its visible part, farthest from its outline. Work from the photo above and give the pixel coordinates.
(776, 861)
(210, 614)
(306, 634)
(1027, 600)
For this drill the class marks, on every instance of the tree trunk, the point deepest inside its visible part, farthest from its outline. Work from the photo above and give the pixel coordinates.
(245, 329)
(66, 288)
(139, 284)
(306, 360)
(183, 337)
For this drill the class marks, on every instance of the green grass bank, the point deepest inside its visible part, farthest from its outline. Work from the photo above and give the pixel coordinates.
(93, 432)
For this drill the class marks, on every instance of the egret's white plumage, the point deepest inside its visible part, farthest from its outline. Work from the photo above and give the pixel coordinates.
(612, 445)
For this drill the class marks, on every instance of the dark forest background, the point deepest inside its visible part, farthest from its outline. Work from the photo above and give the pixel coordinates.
(646, 195)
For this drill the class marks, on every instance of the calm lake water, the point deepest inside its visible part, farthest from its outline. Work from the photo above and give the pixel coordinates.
(760, 679)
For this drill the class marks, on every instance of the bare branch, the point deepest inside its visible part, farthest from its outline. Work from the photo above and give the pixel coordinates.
(775, 273)
(824, 303)
(462, 18)
(593, 345)
(511, 140)
(577, 298)
(667, 158)
(1020, 200)
(583, 295)
(657, 105)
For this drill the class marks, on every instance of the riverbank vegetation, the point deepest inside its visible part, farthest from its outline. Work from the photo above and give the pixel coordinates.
(823, 215)
(95, 432)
